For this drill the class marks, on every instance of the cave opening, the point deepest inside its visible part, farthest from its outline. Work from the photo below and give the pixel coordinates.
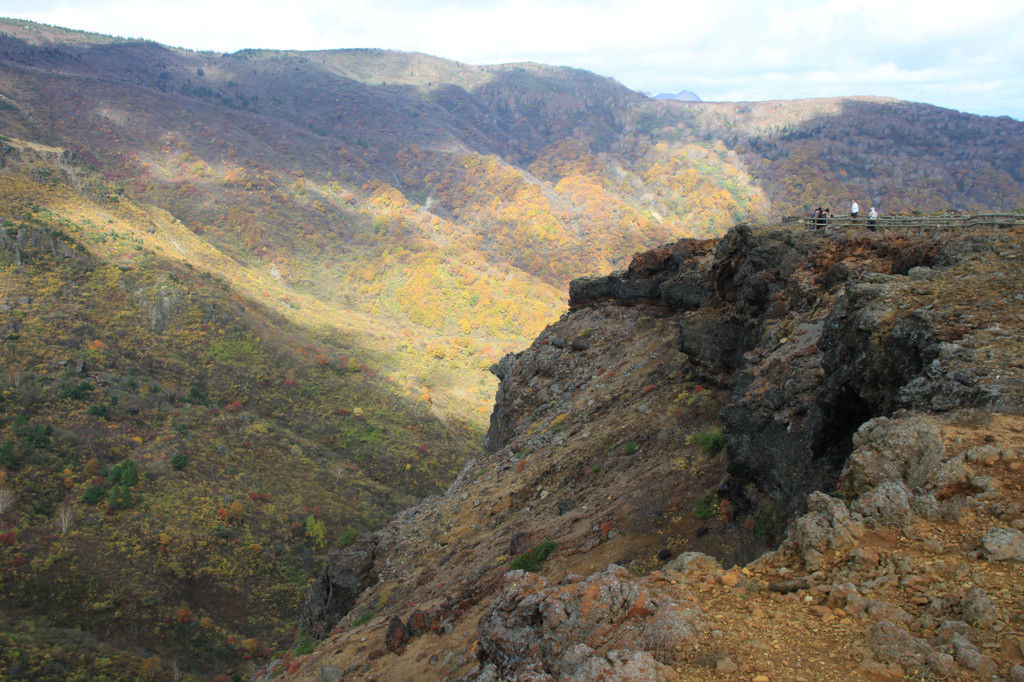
(766, 511)
(832, 443)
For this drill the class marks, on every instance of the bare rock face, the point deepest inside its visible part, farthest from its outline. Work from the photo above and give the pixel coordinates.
(335, 592)
(501, 419)
(25, 244)
(160, 304)
(606, 624)
(676, 276)
(813, 335)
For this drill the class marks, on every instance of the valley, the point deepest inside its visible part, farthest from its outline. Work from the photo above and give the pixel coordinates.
(254, 304)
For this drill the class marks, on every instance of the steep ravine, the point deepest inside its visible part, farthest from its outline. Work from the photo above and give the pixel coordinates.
(884, 370)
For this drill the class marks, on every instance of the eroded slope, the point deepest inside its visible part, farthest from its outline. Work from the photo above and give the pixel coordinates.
(885, 368)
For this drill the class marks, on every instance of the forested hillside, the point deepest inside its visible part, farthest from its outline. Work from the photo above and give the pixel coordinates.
(453, 202)
(176, 456)
(902, 157)
(248, 301)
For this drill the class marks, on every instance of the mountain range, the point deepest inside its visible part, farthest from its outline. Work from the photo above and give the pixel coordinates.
(288, 272)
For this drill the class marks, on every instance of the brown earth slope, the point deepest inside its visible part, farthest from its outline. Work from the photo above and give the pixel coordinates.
(882, 369)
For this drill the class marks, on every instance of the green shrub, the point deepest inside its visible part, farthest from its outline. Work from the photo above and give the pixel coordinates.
(129, 472)
(9, 455)
(179, 461)
(316, 530)
(37, 436)
(531, 559)
(347, 538)
(79, 391)
(119, 497)
(365, 617)
(706, 506)
(631, 448)
(304, 646)
(196, 396)
(94, 494)
(712, 441)
(126, 473)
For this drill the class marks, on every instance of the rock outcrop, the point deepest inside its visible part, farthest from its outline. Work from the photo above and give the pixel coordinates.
(589, 628)
(816, 334)
(345, 577)
(864, 514)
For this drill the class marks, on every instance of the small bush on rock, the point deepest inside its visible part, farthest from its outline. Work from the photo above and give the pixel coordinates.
(712, 441)
(347, 538)
(531, 559)
(706, 506)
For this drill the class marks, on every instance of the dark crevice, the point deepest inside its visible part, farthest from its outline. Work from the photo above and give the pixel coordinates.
(840, 418)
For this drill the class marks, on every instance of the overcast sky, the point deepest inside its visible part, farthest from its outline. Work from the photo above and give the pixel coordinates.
(962, 55)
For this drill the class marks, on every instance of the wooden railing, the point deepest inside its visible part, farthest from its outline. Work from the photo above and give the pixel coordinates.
(924, 223)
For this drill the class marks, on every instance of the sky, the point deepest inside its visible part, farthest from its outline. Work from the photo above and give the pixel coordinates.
(967, 56)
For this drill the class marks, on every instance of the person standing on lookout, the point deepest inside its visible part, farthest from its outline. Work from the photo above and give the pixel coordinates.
(815, 218)
(854, 209)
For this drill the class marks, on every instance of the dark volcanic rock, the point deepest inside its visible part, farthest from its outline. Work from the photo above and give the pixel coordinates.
(335, 592)
(519, 544)
(812, 350)
(675, 276)
(580, 343)
(501, 421)
(813, 334)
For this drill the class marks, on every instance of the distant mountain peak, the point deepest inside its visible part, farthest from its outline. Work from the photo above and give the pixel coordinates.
(681, 96)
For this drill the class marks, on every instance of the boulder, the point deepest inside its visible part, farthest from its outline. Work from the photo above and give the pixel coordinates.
(978, 608)
(397, 635)
(1004, 544)
(890, 642)
(827, 526)
(582, 627)
(888, 503)
(907, 450)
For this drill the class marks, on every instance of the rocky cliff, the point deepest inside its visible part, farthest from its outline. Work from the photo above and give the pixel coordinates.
(857, 398)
